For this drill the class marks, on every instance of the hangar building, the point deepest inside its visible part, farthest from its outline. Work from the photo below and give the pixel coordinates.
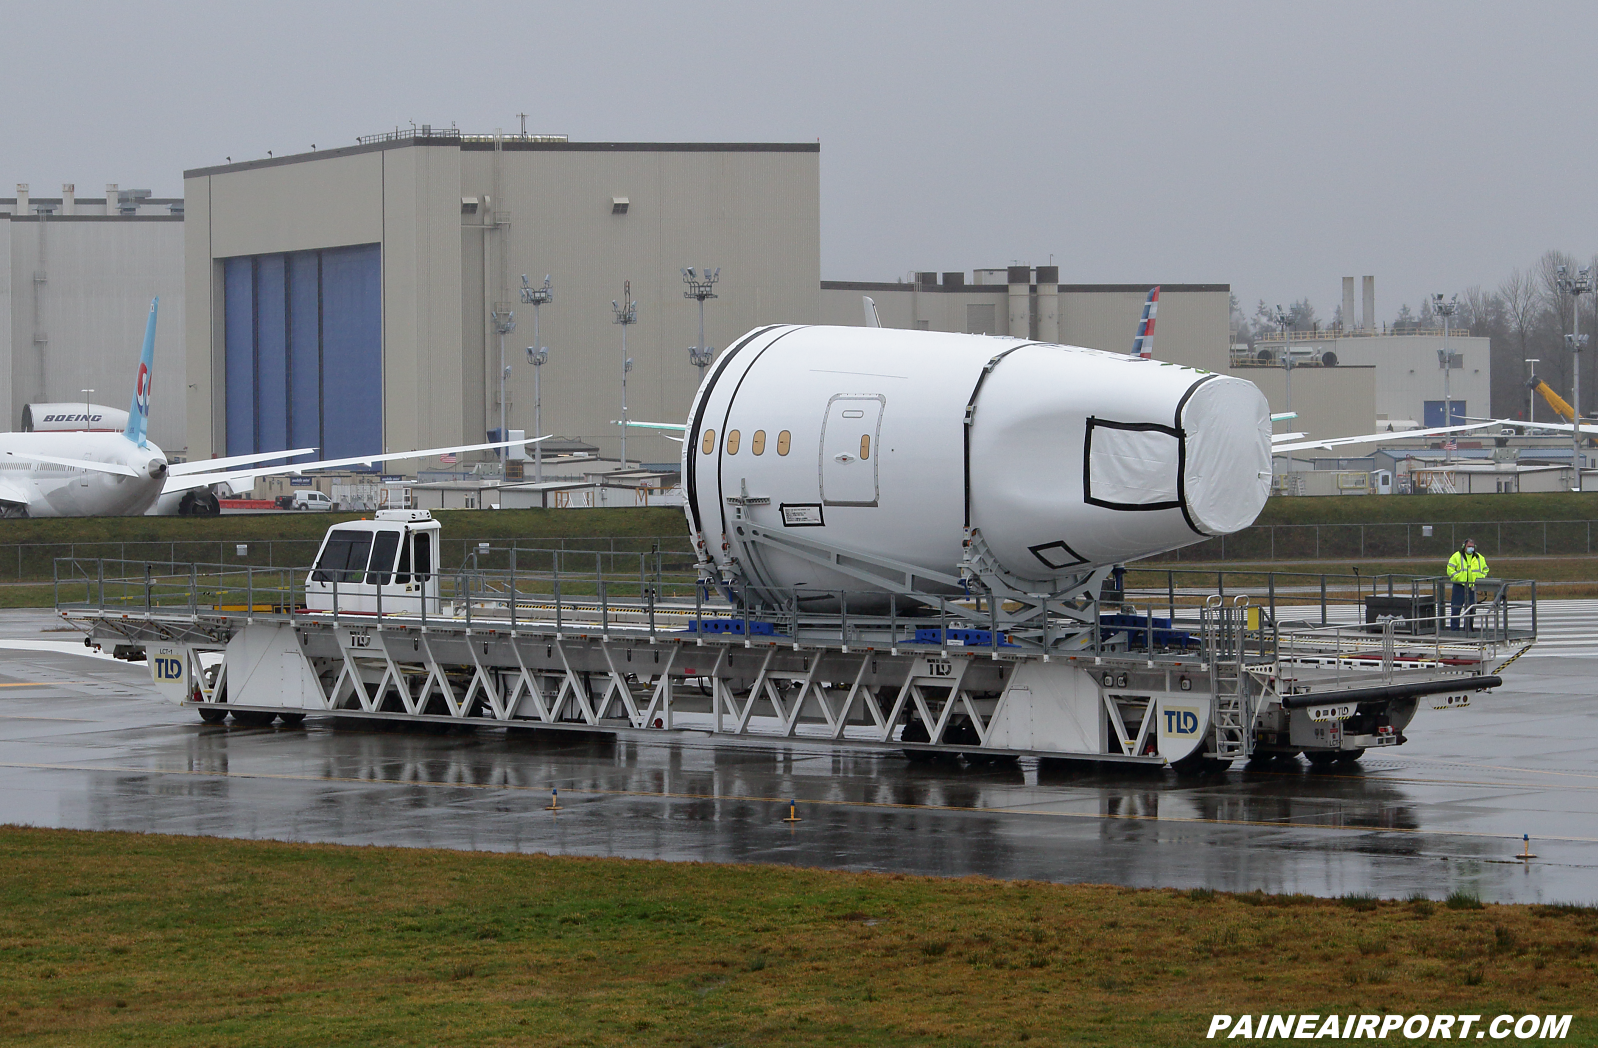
(344, 298)
(76, 278)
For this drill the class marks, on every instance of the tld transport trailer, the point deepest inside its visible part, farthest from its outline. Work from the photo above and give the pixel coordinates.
(1144, 666)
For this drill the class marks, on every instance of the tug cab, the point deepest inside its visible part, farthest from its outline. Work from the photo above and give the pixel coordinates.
(389, 564)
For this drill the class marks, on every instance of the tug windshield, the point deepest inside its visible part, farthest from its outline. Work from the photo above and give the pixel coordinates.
(344, 556)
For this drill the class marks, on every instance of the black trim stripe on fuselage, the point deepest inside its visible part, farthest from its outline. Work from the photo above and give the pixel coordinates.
(691, 473)
(971, 417)
(721, 501)
(1181, 453)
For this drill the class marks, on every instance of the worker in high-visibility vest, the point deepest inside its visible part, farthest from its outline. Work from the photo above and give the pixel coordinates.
(1465, 568)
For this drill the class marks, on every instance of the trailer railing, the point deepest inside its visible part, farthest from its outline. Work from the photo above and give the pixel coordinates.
(1250, 618)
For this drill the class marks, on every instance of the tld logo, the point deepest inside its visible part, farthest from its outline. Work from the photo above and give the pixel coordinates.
(167, 669)
(1181, 722)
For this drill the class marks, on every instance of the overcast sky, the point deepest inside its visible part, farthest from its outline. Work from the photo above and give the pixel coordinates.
(1276, 147)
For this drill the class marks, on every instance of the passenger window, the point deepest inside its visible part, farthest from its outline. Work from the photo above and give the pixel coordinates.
(732, 442)
(784, 439)
(757, 443)
(424, 556)
(865, 447)
(343, 558)
(710, 441)
(403, 574)
(383, 549)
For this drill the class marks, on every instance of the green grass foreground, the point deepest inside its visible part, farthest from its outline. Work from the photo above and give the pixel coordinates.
(109, 938)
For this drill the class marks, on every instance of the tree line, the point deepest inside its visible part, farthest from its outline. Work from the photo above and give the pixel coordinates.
(1525, 317)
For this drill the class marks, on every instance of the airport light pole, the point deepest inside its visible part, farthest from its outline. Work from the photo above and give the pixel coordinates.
(701, 288)
(626, 316)
(1575, 287)
(1531, 391)
(504, 323)
(1446, 310)
(1286, 323)
(537, 356)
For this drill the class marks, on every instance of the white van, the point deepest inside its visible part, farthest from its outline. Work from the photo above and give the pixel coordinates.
(310, 498)
(395, 555)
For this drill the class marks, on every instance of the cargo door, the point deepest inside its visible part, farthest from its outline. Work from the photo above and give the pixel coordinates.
(849, 451)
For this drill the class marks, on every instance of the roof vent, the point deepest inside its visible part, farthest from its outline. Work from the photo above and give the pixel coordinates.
(128, 200)
(619, 205)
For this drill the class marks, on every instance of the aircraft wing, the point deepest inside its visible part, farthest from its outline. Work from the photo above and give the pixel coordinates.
(673, 427)
(1371, 438)
(1588, 429)
(9, 492)
(234, 477)
(57, 460)
(183, 469)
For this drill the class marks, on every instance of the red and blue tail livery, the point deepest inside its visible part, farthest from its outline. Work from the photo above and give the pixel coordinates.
(1143, 344)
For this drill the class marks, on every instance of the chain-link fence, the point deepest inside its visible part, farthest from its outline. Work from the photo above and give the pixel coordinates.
(1293, 542)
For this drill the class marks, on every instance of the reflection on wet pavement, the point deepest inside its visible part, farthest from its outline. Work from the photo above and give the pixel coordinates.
(85, 743)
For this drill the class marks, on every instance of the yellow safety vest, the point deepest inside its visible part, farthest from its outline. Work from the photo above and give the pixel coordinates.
(1465, 568)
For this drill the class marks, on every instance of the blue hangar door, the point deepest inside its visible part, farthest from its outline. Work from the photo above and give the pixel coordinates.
(304, 351)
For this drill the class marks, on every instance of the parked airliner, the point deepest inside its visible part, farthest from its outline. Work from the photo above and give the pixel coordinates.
(90, 474)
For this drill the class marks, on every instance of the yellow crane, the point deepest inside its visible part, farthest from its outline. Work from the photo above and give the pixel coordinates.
(1555, 401)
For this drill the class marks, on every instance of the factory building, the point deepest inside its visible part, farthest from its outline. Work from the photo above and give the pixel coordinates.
(76, 278)
(351, 299)
(1406, 366)
(1030, 302)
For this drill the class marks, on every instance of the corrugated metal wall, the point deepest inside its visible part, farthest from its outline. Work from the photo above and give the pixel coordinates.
(304, 351)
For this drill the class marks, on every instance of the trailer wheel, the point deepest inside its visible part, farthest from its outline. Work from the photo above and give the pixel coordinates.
(291, 720)
(915, 731)
(252, 718)
(1198, 764)
(212, 714)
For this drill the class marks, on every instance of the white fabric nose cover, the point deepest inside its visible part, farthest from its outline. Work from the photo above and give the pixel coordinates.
(1227, 470)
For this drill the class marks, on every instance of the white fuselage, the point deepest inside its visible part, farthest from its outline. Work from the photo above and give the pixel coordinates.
(894, 443)
(54, 490)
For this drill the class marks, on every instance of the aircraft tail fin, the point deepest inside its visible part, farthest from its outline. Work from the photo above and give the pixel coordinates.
(139, 409)
(873, 319)
(1143, 343)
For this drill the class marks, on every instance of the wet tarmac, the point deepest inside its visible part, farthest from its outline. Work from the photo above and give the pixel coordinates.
(85, 743)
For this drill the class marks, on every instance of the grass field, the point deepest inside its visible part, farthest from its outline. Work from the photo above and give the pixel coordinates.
(146, 940)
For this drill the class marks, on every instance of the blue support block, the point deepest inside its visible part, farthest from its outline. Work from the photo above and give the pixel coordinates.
(733, 626)
(963, 637)
(1136, 628)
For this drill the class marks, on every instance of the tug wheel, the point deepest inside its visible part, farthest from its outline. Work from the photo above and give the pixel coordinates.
(212, 715)
(1349, 756)
(1322, 758)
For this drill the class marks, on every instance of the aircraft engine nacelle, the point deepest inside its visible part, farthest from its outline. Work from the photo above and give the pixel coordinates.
(891, 444)
(70, 417)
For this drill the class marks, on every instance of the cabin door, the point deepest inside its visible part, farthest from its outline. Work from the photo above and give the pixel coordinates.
(849, 450)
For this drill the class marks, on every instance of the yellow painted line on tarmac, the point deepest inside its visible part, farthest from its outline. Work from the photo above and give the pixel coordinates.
(29, 684)
(817, 802)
